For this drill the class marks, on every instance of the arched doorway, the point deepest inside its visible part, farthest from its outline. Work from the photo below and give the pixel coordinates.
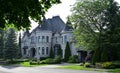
(32, 52)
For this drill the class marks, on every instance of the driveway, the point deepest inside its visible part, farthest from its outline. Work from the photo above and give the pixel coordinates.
(41, 69)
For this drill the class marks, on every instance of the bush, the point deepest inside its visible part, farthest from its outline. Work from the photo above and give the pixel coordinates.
(98, 65)
(81, 64)
(108, 65)
(73, 59)
(87, 64)
(116, 64)
(47, 61)
(58, 60)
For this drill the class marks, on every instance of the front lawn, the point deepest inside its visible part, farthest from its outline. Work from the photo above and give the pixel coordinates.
(27, 64)
(77, 67)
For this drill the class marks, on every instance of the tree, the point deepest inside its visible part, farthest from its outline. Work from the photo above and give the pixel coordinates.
(1, 42)
(18, 12)
(96, 22)
(113, 17)
(51, 53)
(11, 49)
(59, 51)
(19, 46)
(67, 52)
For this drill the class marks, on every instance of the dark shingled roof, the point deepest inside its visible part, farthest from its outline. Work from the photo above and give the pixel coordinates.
(55, 25)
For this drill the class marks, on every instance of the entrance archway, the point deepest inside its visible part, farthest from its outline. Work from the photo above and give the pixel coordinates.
(32, 52)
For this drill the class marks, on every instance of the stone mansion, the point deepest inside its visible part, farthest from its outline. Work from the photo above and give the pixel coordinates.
(51, 33)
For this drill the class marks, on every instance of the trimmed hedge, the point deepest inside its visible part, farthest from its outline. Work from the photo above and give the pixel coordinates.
(73, 59)
(57, 60)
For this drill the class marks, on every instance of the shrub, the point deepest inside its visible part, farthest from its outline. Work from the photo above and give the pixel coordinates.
(108, 65)
(81, 64)
(98, 65)
(51, 53)
(47, 61)
(87, 64)
(67, 52)
(59, 51)
(58, 60)
(116, 64)
(73, 59)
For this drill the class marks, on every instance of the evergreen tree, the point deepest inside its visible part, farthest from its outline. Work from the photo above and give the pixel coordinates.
(11, 50)
(19, 46)
(1, 42)
(67, 52)
(59, 51)
(51, 53)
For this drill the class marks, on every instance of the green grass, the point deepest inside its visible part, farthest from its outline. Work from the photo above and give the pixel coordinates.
(27, 64)
(77, 67)
(114, 70)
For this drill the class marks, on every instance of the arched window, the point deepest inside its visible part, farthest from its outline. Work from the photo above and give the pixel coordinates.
(43, 50)
(47, 50)
(47, 39)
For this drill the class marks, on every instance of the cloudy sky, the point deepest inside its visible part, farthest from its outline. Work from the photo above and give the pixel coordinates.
(62, 9)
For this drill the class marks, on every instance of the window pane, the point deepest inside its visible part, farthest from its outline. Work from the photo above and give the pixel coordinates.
(43, 38)
(39, 50)
(65, 39)
(43, 50)
(39, 39)
(47, 39)
(47, 50)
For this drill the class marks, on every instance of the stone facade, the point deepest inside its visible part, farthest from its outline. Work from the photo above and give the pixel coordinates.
(49, 34)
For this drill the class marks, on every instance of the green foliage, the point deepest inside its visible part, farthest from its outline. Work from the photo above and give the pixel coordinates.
(67, 52)
(59, 51)
(87, 64)
(73, 59)
(98, 19)
(17, 12)
(104, 55)
(108, 65)
(1, 43)
(96, 57)
(51, 53)
(47, 61)
(58, 60)
(116, 64)
(11, 49)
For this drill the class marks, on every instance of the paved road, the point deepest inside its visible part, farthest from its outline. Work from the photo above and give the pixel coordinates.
(40, 69)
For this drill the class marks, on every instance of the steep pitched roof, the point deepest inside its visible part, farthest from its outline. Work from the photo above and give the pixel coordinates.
(55, 24)
(67, 28)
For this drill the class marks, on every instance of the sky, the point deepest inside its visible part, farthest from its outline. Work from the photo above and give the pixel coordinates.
(62, 9)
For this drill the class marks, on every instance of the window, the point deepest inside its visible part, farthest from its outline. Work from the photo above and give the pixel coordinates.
(47, 39)
(65, 39)
(43, 38)
(39, 39)
(43, 51)
(32, 39)
(62, 39)
(56, 39)
(39, 50)
(47, 50)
